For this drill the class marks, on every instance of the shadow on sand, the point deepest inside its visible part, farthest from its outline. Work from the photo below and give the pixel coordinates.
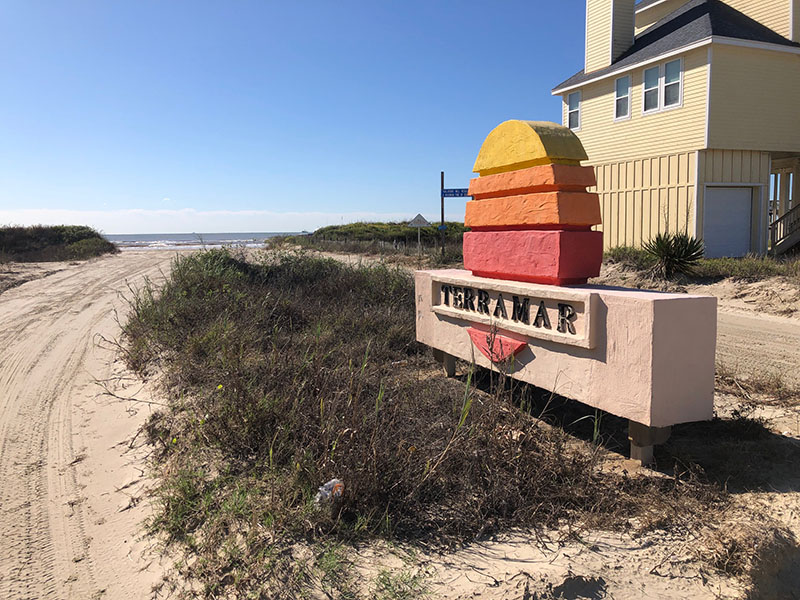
(741, 454)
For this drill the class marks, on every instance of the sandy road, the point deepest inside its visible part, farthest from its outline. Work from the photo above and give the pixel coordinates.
(68, 527)
(753, 343)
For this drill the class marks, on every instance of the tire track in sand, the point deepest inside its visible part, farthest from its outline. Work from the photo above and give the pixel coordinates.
(48, 361)
(760, 344)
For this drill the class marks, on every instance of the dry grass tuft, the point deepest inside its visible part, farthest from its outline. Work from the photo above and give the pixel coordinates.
(764, 555)
(758, 387)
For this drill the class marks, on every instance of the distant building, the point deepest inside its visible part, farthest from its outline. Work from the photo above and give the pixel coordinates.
(690, 112)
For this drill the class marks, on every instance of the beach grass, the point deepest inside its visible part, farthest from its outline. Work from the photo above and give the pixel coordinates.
(40, 243)
(288, 372)
(746, 268)
(384, 239)
(389, 232)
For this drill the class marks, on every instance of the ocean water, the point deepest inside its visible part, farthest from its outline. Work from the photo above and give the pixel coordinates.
(191, 241)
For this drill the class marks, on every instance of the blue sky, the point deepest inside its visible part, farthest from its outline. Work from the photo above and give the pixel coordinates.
(181, 116)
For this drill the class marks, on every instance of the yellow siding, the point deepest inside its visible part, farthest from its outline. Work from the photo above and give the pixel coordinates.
(598, 34)
(643, 197)
(772, 13)
(755, 100)
(667, 132)
(648, 17)
(622, 27)
(736, 166)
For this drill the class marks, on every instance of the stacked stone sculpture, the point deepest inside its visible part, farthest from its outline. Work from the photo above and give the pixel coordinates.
(531, 216)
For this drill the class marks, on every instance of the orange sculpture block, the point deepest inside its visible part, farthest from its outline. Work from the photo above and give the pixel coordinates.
(544, 178)
(537, 256)
(564, 210)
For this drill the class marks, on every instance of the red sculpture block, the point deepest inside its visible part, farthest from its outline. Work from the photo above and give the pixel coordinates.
(538, 256)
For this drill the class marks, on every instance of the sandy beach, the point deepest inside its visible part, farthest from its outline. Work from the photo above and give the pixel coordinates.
(70, 472)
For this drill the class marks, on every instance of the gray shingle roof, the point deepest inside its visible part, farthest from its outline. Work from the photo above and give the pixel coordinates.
(694, 21)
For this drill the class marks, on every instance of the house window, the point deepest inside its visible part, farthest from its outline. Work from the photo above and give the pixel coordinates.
(663, 86)
(574, 110)
(651, 79)
(622, 109)
(672, 83)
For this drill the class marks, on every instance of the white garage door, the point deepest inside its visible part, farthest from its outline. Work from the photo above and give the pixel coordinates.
(727, 221)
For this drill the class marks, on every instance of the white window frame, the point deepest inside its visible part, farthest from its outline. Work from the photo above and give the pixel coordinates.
(628, 96)
(662, 70)
(663, 95)
(578, 110)
(657, 88)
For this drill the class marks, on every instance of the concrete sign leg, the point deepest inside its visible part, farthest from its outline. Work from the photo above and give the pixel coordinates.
(642, 454)
(643, 438)
(448, 362)
(449, 365)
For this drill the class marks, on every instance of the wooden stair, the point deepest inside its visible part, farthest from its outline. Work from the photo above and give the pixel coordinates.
(784, 233)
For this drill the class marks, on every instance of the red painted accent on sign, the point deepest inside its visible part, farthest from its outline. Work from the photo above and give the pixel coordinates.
(540, 256)
(494, 346)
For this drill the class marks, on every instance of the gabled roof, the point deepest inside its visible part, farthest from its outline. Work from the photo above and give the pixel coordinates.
(694, 21)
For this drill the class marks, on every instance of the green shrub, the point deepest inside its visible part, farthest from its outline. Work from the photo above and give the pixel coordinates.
(387, 232)
(383, 239)
(89, 247)
(674, 254)
(749, 268)
(629, 257)
(51, 243)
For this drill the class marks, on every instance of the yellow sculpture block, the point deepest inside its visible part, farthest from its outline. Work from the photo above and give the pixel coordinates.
(516, 144)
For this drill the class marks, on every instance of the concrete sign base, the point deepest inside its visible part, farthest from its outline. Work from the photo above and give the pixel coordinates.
(642, 355)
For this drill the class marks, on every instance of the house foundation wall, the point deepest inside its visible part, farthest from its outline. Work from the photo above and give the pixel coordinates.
(643, 197)
(664, 194)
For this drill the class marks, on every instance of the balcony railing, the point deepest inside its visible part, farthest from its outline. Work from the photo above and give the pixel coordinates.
(784, 227)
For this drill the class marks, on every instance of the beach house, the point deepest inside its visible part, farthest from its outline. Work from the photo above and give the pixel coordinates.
(690, 113)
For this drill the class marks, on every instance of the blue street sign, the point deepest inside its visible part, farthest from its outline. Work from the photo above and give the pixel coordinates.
(442, 227)
(455, 192)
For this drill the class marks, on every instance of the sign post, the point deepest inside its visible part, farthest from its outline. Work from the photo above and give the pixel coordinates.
(419, 222)
(442, 226)
(449, 193)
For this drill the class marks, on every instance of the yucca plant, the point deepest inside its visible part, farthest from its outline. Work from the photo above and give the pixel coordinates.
(675, 254)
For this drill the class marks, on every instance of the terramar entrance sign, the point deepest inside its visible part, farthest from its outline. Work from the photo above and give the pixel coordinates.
(522, 299)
